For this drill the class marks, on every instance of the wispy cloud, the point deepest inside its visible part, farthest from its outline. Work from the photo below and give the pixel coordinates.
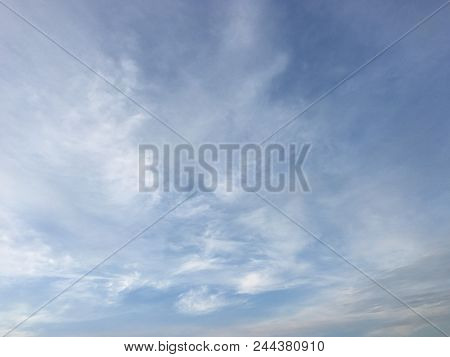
(223, 71)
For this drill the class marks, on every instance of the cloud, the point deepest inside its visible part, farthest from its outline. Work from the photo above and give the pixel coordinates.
(230, 71)
(351, 305)
(24, 253)
(255, 282)
(200, 300)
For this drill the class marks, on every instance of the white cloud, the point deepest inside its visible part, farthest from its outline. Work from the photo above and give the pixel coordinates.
(200, 301)
(255, 282)
(197, 263)
(69, 164)
(23, 252)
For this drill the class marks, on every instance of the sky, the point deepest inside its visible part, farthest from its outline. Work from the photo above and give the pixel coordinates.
(224, 264)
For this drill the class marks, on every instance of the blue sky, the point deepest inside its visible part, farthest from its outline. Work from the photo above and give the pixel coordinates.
(224, 263)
